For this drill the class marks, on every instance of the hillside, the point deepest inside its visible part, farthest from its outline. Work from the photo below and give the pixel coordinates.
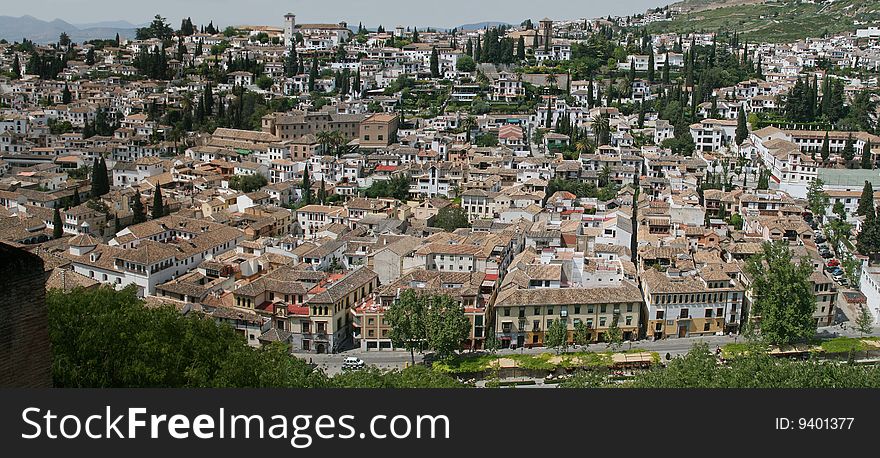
(779, 21)
(39, 31)
(702, 5)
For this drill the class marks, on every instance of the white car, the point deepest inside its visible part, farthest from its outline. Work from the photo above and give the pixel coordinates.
(351, 363)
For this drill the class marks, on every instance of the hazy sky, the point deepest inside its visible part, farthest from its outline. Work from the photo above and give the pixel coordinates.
(438, 13)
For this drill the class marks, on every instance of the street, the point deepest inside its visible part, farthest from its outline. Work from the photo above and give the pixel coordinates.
(331, 364)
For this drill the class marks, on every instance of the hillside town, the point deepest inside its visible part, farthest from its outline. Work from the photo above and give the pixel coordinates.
(297, 180)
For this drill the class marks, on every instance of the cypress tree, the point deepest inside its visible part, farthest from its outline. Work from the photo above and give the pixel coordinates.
(66, 96)
(435, 63)
(867, 161)
(742, 129)
(313, 74)
(57, 224)
(866, 201)
(137, 209)
(651, 65)
(307, 187)
(665, 75)
(158, 206)
(849, 151)
(826, 148)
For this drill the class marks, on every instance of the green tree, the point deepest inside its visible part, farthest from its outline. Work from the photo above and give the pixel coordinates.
(849, 151)
(466, 64)
(248, 183)
(867, 161)
(451, 218)
(826, 148)
(581, 333)
(865, 322)
(306, 187)
(839, 210)
(556, 336)
(313, 74)
(435, 63)
(158, 210)
(139, 215)
(447, 326)
(66, 96)
(160, 348)
(57, 224)
(742, 129)
(868, 240)
(866, 201)
(817, 198)
(407, 317)
(614, 335)
(783, 293)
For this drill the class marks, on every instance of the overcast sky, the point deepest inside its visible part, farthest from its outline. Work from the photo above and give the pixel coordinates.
(390, 13)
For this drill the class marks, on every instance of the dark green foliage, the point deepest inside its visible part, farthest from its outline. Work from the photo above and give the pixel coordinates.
(247, 183)
(158, 209)
(57, 225)
(451, 218)
(783, 294)
(396, 188)
(139, 214)
(104, 338)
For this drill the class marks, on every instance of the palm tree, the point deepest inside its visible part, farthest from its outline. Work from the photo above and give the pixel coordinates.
(601, 128)
(338, 141)
(582, 146)
(552, 79)
(468, 123)
(324, 137)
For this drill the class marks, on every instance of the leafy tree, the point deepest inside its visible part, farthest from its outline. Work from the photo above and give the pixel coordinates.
(556, 336)
(396, 188)
(491, 344)
(158, 210)
(247, 183)
(137, 209)
(160, 347)
(817, 198)
(865, 322)
(868, 240)
(159, 29)
(57, 224)
(66, 96)
(866, 201)
(407, 317)
(451, 218)
(783, 293)
(839, 210)
(581, 333)
(614, 335)
(447, 326)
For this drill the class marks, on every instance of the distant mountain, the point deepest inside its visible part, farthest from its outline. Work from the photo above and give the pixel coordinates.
(39, 31)
(110, 25)
(481, 25)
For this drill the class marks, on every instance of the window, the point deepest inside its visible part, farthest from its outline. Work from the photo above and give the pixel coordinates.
(549, 312)
(506, 311)
(603, 308)
(537, 310)
(708, 313)
(577, 310)
(629, 308)
(602, 321)
(629, 321)
(706, 326)
(659, 314)
(684, 313)
(589, 309)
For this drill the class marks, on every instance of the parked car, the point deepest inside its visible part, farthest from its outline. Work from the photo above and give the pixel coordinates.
(820, 238)
(352, 363)
(826, 254)
(833, 263)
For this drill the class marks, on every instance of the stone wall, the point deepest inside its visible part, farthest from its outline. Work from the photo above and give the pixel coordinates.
(25, 352)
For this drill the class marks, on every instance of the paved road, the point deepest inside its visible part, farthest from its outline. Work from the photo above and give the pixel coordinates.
(398, 359)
